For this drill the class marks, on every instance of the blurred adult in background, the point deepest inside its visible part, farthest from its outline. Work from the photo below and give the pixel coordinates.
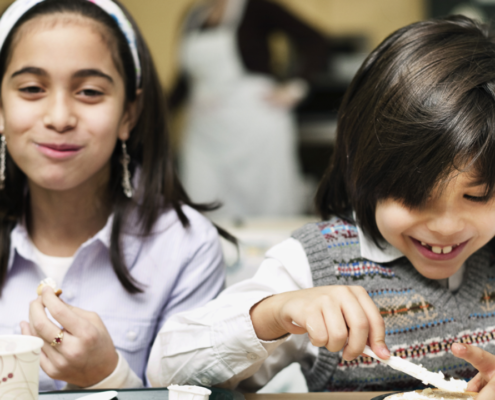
(239, 143)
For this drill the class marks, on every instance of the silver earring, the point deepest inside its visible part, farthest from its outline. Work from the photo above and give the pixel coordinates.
(3, 151)
(126, 175)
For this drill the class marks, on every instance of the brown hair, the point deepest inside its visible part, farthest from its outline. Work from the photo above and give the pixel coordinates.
(421, 106)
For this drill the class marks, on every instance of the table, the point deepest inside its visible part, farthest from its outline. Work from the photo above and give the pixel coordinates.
(314, 396)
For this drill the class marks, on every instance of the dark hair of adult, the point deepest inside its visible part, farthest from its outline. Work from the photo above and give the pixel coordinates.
(148, 145)
(421, 106)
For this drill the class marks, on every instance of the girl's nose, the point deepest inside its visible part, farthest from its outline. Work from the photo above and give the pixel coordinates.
(59, 115)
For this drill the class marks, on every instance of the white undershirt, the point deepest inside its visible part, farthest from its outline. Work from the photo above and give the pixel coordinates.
(53, 267)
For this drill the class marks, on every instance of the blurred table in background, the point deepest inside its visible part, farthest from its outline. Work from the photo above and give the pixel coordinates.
(256, 236)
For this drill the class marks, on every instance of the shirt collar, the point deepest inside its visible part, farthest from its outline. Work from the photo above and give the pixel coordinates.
(372, 252)
(21, 243)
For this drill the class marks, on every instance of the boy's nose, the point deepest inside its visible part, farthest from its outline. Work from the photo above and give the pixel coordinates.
(59, 115)
(446, 224)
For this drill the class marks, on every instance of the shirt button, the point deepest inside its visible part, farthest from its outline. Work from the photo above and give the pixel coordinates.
(205, 381)
(252, 356)
(131, 335)
(69, 295)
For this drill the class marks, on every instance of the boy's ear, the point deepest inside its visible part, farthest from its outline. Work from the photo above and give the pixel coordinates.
(130, 118)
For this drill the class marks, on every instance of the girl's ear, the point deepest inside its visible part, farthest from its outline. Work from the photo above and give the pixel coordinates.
(129, 120)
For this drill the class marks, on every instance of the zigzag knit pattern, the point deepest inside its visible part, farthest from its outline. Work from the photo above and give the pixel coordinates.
(422, 319)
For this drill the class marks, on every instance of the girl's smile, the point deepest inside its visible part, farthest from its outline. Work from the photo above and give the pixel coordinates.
(438, 238)
(58, 151)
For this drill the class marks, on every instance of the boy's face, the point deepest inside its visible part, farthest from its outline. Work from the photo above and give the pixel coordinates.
(439, 237)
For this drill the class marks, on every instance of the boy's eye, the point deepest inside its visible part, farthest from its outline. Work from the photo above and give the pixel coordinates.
(31, 89)
(477, 199)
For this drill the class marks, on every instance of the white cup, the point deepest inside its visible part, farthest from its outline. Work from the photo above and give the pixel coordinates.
(177, 392)
(19, 367)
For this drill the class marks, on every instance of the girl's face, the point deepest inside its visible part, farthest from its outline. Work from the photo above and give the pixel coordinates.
(439, 237)
(63, 103)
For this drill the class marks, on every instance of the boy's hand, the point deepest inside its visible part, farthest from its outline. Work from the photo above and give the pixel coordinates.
(484, 362)
(331, 315)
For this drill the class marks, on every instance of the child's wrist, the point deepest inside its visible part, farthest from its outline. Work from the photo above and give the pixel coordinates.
(265, 324)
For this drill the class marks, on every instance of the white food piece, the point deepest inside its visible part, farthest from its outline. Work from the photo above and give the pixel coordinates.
(436, 379)
(430, 394)
(48, 282)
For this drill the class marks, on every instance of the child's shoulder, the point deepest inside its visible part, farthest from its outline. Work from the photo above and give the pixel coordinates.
(335, 232)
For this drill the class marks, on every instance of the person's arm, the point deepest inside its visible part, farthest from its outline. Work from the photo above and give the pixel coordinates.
(216, 344)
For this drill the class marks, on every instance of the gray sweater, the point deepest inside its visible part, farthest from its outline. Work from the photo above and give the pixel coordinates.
(422, 318)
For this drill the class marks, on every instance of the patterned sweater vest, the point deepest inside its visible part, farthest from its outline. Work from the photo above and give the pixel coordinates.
(422, 319)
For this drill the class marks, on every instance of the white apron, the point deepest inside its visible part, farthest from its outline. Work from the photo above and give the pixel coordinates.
(237, 148)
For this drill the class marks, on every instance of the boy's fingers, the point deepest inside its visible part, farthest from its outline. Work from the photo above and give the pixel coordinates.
(336, 328)
(476, 384)
(358, 324)
(488, 392)
(376, 336)
(480, 359)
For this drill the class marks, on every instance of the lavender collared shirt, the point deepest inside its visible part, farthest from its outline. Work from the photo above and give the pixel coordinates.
(180, 268)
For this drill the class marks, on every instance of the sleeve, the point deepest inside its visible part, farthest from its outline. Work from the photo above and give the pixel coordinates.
(123, 377)
(202, 276)
(217, 344)
(310, 44)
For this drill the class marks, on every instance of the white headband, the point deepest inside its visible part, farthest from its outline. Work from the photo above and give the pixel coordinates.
(20, 7)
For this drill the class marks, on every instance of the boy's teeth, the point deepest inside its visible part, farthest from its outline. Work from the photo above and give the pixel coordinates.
(447, 250)
(437, 250)
(423, 244)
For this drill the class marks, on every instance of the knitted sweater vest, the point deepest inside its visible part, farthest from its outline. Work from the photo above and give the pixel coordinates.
(422, 318)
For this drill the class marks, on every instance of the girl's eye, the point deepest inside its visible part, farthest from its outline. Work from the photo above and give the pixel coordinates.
(91, 93)
(31, 89)
(477, 199)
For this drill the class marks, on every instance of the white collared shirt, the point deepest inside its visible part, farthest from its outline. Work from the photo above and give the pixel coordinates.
(217, 344)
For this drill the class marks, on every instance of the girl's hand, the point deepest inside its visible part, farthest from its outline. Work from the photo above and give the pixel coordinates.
(86, 355)
(484, 362)
(331, 315)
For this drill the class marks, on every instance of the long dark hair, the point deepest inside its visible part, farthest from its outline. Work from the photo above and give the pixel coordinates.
(421, 106)
(148, 146)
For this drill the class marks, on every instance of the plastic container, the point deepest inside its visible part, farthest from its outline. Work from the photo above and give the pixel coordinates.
(177, 392)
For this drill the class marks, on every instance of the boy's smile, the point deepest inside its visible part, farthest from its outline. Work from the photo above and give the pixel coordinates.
(438, 237)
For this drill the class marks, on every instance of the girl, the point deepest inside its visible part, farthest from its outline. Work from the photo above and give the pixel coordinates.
(401, 259)
(89, 196)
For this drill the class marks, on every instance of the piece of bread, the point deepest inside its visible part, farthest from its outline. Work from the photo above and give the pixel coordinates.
(48, 282)
(432, 394)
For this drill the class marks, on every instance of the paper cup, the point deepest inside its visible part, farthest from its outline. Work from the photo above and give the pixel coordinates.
(177, 392)
(19, 367)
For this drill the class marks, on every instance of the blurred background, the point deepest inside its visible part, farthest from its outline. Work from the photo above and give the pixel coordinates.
(202, 70)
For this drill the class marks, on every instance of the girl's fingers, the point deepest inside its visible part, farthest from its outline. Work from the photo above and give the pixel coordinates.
(39, 323)
(376, 336)
(61, 312)
(25, 329)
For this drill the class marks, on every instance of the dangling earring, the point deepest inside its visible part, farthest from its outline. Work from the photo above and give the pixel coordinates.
(3, 150)
(126, 175)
